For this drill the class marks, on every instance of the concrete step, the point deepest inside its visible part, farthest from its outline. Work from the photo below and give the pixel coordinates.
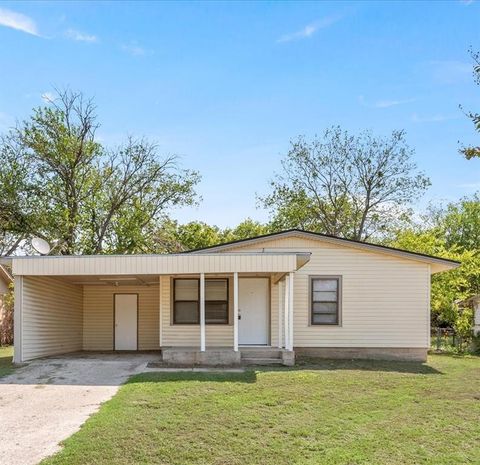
(261, 353)
(262, 361)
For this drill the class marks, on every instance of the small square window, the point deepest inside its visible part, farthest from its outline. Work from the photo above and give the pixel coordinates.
(325, 296)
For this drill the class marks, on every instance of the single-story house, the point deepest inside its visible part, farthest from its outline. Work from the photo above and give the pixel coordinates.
(269, 296)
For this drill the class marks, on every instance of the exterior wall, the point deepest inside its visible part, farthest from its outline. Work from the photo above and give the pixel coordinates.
(3, 286)
(377, 353)
(385, 299)
(98, 323)
(476, 317)
(189, 335)
(51, 317)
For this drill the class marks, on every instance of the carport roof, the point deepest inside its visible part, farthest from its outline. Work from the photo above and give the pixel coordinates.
(63, 265)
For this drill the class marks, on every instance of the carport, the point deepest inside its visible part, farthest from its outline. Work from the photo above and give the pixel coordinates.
(67, 304)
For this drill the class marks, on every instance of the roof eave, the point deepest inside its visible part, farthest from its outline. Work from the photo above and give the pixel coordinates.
(432, 260)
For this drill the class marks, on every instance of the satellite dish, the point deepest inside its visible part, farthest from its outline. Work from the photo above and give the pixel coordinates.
(41, 246)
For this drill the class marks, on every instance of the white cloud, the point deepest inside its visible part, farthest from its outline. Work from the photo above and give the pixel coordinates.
(470, 185)
(80, 36)
(48, 97)
(385, 103)
(309, 30)
(9, 18)
(451, 71)
(136, 50)
(392, 103)
(438, 118)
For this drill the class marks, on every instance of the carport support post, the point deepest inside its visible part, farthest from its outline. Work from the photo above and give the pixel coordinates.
(17, 321)
(280, 308)
(202, 312)
(287, 302)
(290, 312)
(235, 311)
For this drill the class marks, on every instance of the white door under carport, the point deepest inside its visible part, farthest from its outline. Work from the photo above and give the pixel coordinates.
(126, 320)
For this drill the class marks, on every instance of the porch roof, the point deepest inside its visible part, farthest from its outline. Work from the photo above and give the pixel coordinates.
(63, 265)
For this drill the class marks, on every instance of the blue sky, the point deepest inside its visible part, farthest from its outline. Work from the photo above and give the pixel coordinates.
(227, 85)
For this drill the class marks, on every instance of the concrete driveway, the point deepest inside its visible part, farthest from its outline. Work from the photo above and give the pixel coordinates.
(47, 400)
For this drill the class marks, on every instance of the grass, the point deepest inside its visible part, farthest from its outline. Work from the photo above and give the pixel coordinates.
(6, 366)
(331, 412)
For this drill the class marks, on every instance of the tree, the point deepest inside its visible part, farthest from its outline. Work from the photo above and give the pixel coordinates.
(350, 186)
(458, 222)
(449, 286)
(62, 184)
(246, 229)
(173, 237)
(474, 152)
(18, 215)
(450, 231)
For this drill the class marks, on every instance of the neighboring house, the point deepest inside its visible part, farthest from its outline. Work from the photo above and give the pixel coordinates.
(5, 325)
(269, 296)
(473, 302)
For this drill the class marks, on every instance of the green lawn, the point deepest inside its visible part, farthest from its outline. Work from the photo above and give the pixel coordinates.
(331, 413)
(6, 354)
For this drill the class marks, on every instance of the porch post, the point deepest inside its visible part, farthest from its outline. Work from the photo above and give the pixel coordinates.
(290, 312)
(202, 312)
(235, 311)
(280, 333)
(286, 304)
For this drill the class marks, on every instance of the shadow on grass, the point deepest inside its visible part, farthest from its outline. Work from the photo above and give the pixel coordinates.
(248, 376)
(303, 364)
(306, 363)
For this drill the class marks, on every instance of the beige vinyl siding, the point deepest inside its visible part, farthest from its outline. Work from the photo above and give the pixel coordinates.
(98, 316)
(153, 264)
(51, 317)
(385, 299)
(189, 335)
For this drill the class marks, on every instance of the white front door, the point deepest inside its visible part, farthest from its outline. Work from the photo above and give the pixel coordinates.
(126, 321)
(253, 305)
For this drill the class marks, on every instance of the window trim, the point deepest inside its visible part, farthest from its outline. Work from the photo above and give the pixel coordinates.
(339, 279)
(227, 301)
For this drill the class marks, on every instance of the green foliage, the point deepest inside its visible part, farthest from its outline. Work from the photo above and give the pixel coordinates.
(62, 184)
(474, 151)
(175, 237)
(459, 222)
(352, 186)
(246, 229)
(453, 233)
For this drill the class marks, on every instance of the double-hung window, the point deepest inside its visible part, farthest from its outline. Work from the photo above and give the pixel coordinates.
(325, 300)
(186, 301)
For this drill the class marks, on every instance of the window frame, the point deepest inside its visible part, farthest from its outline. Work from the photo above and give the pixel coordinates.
(227, 302)
(339, 280)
